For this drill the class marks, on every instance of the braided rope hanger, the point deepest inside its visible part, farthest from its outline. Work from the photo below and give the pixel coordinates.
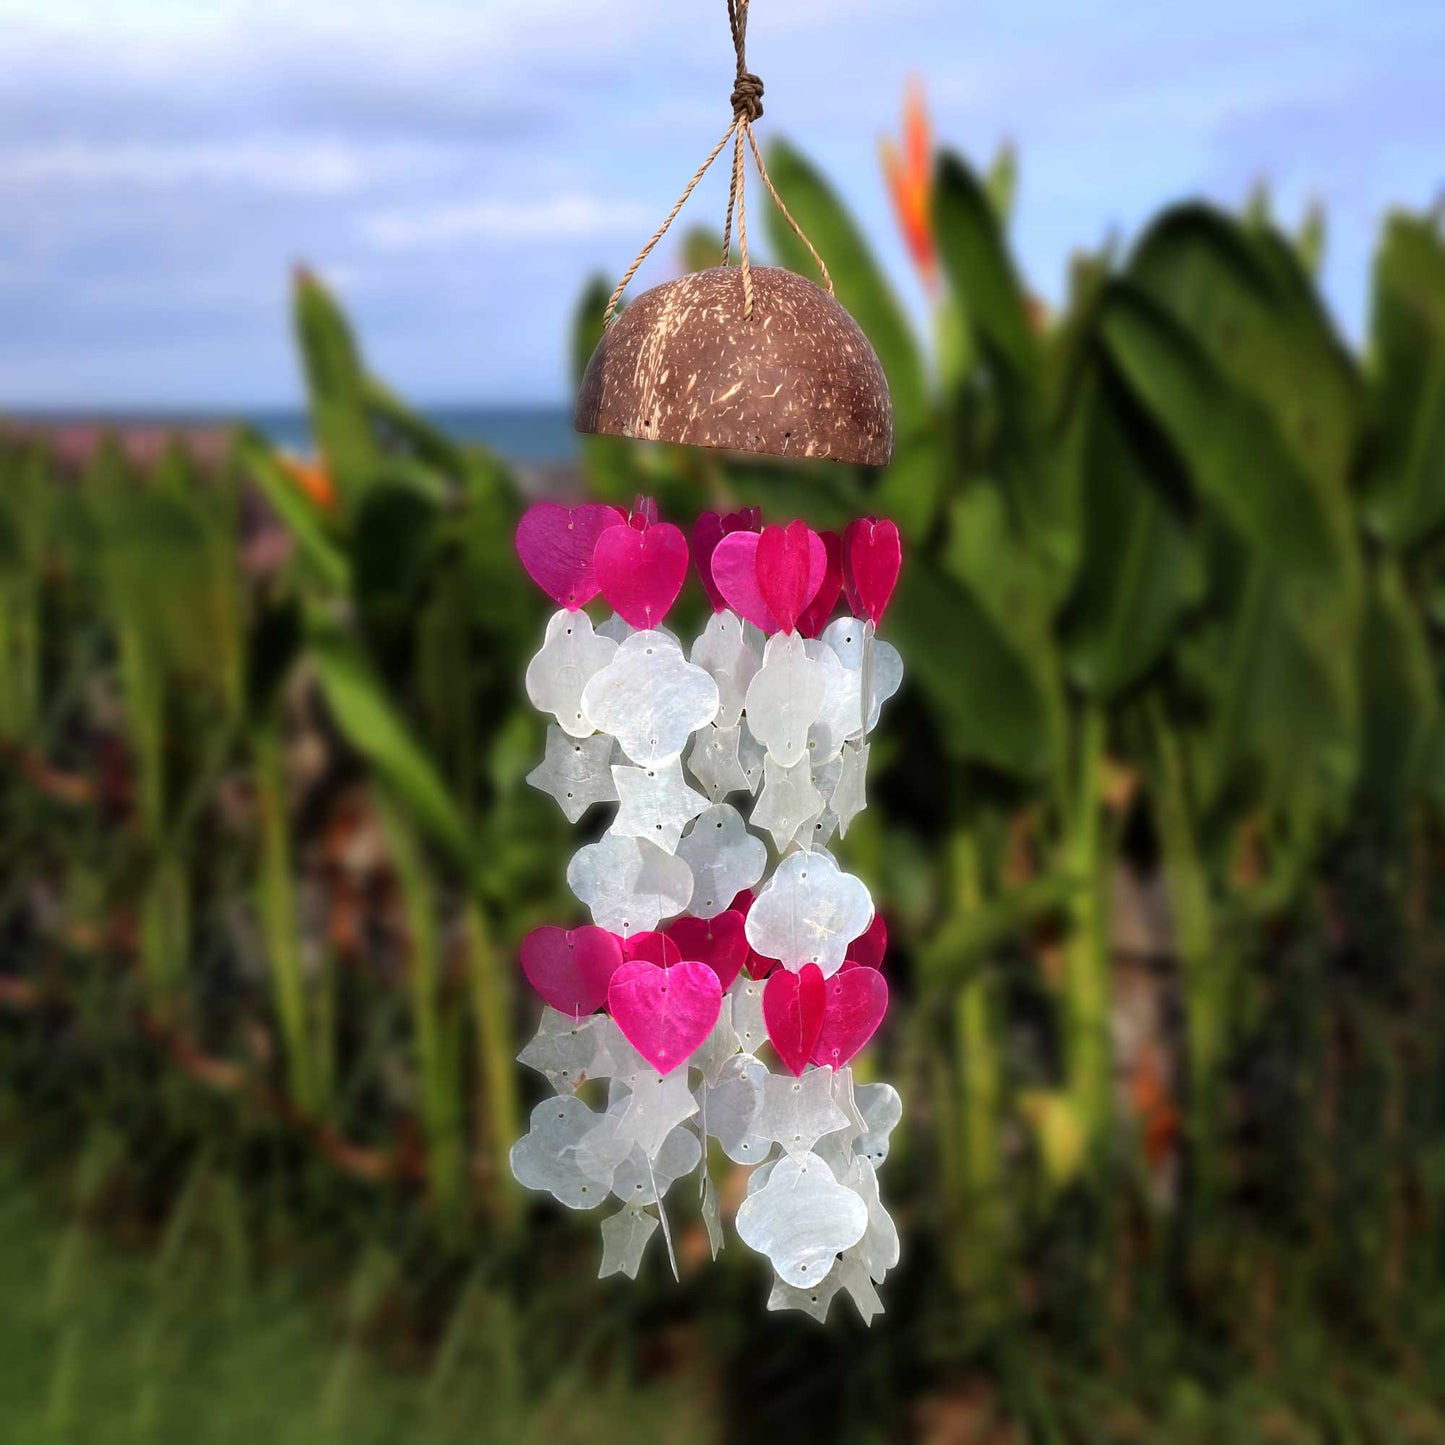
(747, 103)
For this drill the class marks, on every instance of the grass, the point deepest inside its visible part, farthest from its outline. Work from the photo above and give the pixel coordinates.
(186, 1343)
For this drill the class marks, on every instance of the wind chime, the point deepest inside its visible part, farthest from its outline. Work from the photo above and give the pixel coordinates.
(721, 989)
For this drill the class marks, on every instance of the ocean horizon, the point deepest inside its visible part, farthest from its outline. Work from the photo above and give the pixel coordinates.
(538, 433)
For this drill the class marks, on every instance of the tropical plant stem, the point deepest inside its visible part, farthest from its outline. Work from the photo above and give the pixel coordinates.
(1086, 958)
(277, 901)
(492, 1001)
(1206, 979)
(440, 1089)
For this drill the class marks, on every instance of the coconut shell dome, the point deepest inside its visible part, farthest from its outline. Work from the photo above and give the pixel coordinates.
(797, 379)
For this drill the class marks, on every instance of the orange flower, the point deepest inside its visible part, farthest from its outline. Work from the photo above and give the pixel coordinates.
(909, 173)
(1155, 1110)
(315, 481)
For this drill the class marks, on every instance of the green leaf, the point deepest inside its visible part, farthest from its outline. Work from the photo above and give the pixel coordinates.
(173, 586)
(336, 386)
(430, 446)
(913, 487)
(701, 249)
(985, 698)
(1280, 670)
(1243, 295)
(1233, 454)
(1398, 694)
(326, 561)
(372, 725)
(272, 646)
(394, 553)
(608, 461)
(858, 283)
(587, 325)
(1140, 572)
(1405, 488)
(975, 260)
(1002, 181)
(998, 407)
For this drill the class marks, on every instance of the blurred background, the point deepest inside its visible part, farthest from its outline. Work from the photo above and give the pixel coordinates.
(292, 301)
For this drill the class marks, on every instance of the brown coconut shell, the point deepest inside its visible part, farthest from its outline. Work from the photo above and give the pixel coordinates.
(797, 379)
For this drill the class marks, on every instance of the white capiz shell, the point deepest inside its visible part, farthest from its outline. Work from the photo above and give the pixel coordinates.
(571, 655)
(629, 885)
(809, 912)
(724, 858)
(724, 651)
(785, 698)
(802, 1218)
(775, 743)
(650, 698)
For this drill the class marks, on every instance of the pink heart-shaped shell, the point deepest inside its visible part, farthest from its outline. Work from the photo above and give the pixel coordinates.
(641, 569)
(793, 1010)
(557, 546)
(856, 1000)
(817, 613)
(655, 947)
(665, 1013)
(867, 950)
(735, 573)
(707, 532)
(782, 567)
(571, 970)
(719, 942)
(872, 556)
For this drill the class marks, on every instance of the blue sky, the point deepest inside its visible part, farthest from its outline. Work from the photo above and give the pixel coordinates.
(457, 169)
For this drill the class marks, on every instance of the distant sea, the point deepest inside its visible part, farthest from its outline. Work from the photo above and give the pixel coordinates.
(518, 433)
(521, 434)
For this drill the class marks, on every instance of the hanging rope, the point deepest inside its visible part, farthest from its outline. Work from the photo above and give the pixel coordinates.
(747, 104)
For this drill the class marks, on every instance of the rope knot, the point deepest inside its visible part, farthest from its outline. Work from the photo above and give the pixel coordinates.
(747, 97)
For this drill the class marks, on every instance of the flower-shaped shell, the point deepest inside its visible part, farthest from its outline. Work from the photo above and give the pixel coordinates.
(650, 698)
(571, 656)
(629, 885)
(802, 1219)
(809, 912)
(724, 858)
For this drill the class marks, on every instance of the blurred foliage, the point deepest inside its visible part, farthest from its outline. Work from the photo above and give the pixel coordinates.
(1173, 611)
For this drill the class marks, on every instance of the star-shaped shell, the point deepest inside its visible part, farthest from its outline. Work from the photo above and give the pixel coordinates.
(575, 771)
(656, 804)
(569, 1051)
(713, 760)
(798, 1112)
(624, 1238)
(788, 800)
(658, 1103)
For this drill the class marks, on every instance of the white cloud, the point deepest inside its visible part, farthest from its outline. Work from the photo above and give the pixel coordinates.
(546, 218)
(313, 167)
